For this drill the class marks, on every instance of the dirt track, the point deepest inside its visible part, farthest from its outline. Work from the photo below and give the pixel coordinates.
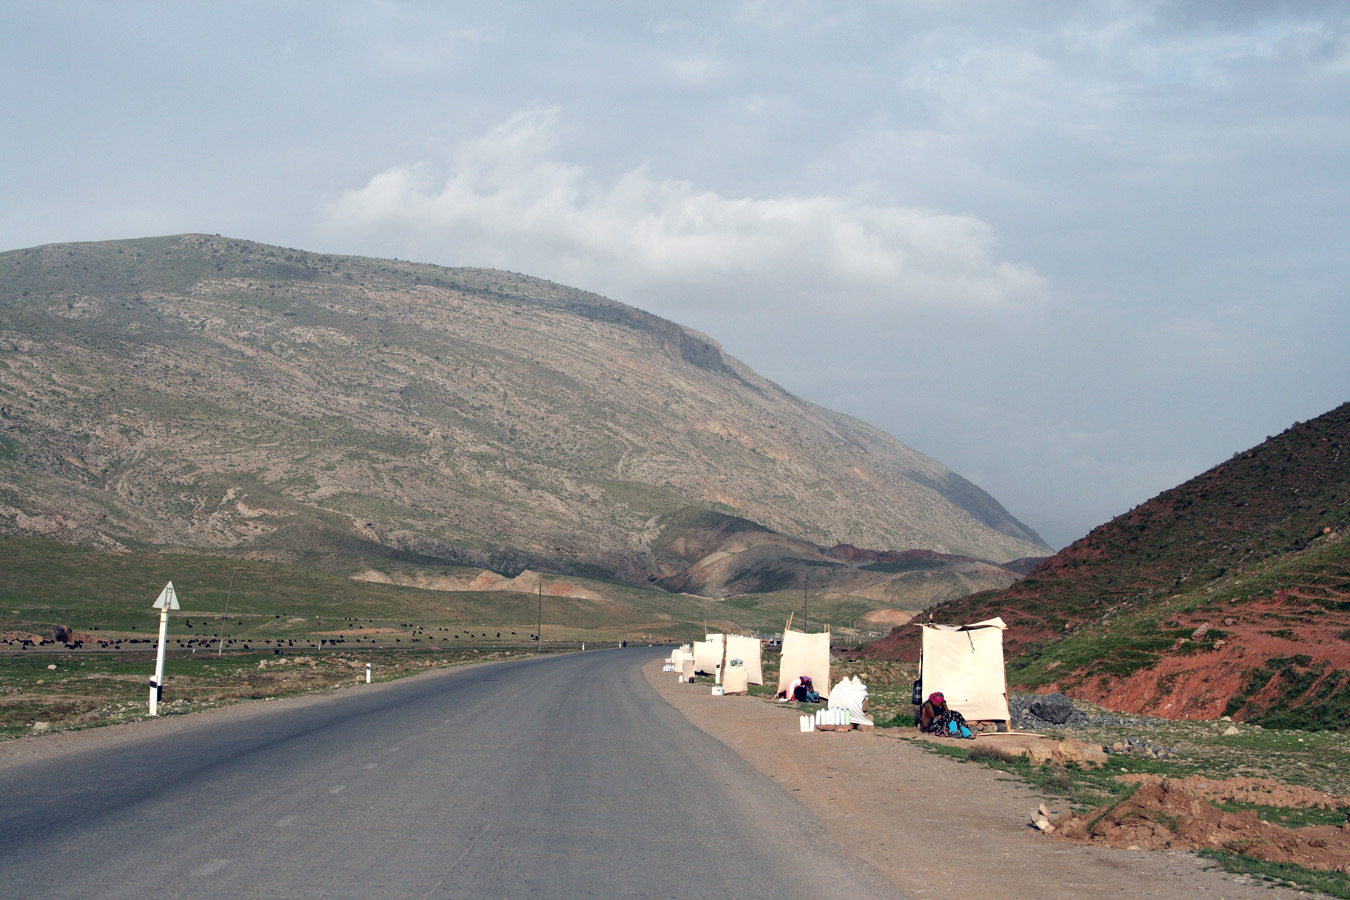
(935, 827)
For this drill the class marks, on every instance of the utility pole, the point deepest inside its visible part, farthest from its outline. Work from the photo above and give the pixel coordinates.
(539, 624)
(806, 620)
(221, 648)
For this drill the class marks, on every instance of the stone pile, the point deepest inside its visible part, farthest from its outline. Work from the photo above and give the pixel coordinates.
(1040, 712)
(1030, 711)
(1137, 747)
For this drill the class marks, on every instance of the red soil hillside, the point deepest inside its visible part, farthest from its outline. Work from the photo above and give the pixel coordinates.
(1227, 594)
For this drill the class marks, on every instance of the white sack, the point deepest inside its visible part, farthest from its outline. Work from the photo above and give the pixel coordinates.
(851, 694)
(734, 680)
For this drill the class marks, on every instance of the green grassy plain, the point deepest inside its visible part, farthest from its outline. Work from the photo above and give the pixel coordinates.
(80, 689)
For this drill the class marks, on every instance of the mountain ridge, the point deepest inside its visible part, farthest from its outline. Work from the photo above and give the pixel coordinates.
(210, 392)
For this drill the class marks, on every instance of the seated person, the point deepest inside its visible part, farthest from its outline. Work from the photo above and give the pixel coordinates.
(801, 690)
(936, 717)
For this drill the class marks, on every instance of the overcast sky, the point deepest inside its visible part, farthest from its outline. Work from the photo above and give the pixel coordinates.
(1079, 252)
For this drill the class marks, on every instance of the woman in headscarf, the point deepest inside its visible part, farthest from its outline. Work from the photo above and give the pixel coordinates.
(801, 690)
(936, 717)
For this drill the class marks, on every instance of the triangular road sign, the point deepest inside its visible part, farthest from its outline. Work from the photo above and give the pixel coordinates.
(168, 598)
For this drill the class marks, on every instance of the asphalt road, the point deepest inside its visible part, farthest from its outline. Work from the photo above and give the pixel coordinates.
(554, 777)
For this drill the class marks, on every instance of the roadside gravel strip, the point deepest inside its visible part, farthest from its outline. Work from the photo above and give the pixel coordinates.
(935, 827)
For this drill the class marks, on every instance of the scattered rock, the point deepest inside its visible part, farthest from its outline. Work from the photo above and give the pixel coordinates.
(1040, 751)
(1231, 730)
(1137, 747)
(1039, 754)
(40, 727)
(1025, 719)
(1054, 708)
(1072, 751)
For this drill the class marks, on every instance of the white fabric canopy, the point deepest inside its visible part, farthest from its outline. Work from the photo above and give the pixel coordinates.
(747, 649)
(708, 654)
(805, 654)
(965, 663)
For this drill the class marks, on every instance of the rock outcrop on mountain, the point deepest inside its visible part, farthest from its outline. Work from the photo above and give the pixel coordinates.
(218, 394)
(716, 555)
(1229, 594)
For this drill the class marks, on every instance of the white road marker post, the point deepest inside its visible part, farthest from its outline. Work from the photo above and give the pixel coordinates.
(168, 599)
(367, 673)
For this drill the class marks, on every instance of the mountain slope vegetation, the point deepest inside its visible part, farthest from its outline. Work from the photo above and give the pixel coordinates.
(1229, 594)
(216, 394)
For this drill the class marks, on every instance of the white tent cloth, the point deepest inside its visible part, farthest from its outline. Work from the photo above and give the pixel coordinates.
(747, 650)
(805, 654)
(708, 654)
(851, 694)
(965, 663)
(678, 656)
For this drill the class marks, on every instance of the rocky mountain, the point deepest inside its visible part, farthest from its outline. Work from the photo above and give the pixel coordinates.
(204, 392)
(729, 556)
(1229, 594)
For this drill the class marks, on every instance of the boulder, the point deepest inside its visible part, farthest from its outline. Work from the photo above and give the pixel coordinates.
(1054, 708)
(1079, 753)
(1040, 753)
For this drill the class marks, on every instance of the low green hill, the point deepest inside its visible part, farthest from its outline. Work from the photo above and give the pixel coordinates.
(104, 596)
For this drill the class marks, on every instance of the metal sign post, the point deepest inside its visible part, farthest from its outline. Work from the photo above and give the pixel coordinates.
(168, 599)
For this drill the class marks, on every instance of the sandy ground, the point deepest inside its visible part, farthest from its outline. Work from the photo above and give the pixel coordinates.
(935, 827)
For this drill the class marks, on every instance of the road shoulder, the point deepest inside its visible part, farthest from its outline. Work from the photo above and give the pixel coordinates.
(933, 826)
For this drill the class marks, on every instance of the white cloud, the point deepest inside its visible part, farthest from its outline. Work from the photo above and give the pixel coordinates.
(504, 199)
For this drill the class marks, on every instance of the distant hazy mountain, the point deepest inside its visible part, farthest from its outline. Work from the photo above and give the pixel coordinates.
(213, 393)
(715, 555)
(1227, 594)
